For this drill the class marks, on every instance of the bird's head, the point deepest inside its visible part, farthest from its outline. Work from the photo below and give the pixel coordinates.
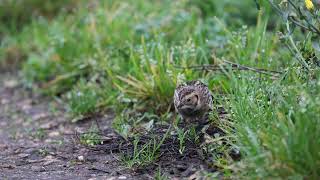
(189, 101)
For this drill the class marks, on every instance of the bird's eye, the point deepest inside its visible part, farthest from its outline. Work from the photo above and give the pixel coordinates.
(188, 100)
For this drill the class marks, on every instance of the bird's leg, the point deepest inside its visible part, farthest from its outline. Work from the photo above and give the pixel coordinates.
(187, 121)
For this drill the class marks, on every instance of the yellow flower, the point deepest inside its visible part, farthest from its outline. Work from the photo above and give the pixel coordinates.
(309, 4)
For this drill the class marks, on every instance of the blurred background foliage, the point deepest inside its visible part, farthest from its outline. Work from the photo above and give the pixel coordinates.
(15, 13)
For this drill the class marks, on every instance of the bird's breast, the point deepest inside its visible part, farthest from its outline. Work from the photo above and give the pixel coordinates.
(189, 112)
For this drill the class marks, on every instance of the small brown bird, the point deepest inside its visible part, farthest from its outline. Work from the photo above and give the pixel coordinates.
(192, 101)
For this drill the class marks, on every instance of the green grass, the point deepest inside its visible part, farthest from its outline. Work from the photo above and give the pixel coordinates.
(276, 123)
(159, 175)
(145, 154)
(83, 99)
(182, 135)
(127, 56)
(90, 138)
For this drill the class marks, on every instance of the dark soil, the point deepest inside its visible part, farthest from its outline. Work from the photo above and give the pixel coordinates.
(38, 141)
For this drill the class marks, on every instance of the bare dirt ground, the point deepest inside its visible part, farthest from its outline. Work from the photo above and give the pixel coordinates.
(38, 141)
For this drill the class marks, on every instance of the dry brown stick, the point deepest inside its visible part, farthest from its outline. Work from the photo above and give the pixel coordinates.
(208, 68)
(251, 68)
(234, 66)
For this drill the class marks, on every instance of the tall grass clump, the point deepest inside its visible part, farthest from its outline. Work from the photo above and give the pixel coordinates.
(277, 125)
(277, 121)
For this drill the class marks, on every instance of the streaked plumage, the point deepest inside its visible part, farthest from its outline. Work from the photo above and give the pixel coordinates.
(192, 101)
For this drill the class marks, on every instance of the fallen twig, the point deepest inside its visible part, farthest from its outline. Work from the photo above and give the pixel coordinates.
(233, 66)
(259, 70)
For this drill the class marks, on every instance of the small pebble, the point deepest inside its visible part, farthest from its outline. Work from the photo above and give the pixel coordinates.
(37, 168)
(80, 158)
(122, 177)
